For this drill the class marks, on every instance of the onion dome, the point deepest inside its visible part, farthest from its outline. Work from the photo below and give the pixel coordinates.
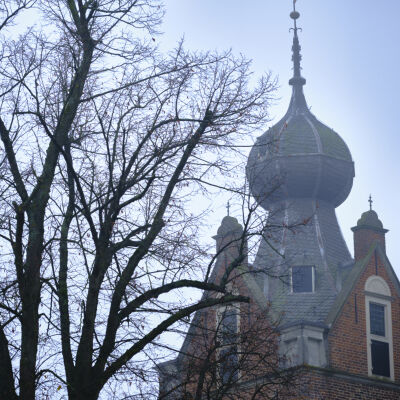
(299, 157)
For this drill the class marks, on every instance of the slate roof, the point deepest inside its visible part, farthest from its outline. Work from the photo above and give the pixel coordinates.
(300, 157)
(300, 132)
(300, 170)
(319, 243)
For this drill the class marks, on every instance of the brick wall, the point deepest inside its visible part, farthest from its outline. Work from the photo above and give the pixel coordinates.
(364, 238)
(348, 337)
(318, 384)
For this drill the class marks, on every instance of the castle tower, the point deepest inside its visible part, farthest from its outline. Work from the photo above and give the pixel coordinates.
(299, 171)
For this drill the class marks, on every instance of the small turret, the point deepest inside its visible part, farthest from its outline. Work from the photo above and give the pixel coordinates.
(229, 238)
(369, 229)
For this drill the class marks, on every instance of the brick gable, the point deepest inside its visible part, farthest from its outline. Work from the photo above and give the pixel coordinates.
(348, 337)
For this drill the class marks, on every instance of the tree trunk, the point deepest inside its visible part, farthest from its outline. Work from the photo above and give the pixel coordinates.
(85, 386)
(30, 296)
(7, 389)
(29, 337)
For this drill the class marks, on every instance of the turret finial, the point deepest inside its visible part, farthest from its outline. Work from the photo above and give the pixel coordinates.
(298, 102)
(228, 207)
(370, 202)
(296, 57)
(295, 15)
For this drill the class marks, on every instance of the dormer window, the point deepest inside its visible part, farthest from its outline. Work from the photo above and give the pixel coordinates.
(302, 279)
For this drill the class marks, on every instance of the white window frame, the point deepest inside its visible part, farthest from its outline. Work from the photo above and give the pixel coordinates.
(377, 291)
(312, 275)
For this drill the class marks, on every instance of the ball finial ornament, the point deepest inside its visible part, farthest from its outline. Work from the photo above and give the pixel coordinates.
(294, 15)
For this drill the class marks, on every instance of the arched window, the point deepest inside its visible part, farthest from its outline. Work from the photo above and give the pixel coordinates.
(379, 327)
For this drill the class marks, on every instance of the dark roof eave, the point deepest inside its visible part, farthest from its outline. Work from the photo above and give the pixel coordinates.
(302, 324)
(369, 227)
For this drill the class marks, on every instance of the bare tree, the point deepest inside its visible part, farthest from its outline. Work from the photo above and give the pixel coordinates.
(105, 144)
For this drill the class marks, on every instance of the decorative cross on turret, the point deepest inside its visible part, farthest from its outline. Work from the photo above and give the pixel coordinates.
(228, 207)
(370, 202)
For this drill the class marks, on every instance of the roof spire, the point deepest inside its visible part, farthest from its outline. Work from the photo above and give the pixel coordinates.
(298, 101)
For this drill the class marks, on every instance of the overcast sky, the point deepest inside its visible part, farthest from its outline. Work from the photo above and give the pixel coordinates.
(351, 61)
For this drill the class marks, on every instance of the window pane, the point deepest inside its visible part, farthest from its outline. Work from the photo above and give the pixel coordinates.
(302, 279)
(229, 364)
(229, 326)
(377, 319)
(380, 358)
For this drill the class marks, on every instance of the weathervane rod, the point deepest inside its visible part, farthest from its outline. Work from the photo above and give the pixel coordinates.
(296, 57)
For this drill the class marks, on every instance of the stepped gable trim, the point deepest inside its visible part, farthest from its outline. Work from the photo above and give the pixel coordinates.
(353, 277)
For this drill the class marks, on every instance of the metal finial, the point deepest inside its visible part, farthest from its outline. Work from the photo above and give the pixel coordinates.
(294, 15)
(228, 207)
(298, 102)
(296, 58)
(370, 202)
